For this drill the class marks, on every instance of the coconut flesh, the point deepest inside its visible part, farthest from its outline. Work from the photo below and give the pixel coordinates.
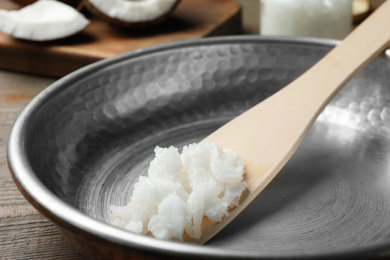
(43, 20)
(74, 3)
(180, 189)
(131, 12)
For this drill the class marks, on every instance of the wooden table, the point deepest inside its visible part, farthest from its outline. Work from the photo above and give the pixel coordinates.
(24, 232)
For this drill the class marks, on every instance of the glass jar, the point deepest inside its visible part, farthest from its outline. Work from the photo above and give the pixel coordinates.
(315, 18)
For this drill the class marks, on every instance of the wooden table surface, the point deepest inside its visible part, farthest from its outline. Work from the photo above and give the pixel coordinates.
(24, 232)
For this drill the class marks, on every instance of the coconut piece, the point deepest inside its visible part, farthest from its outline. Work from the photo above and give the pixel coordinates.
(43, 20)
(132, 13)
(74, 3)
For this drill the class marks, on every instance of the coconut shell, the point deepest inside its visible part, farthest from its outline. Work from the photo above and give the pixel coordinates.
(114, 21)
(24, 2)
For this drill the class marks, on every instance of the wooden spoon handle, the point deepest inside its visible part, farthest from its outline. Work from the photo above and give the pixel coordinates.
(267, 135)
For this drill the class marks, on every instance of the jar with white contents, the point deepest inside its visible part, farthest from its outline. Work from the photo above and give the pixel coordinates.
(314, 18)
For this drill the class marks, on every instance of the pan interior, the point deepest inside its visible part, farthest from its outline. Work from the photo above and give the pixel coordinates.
(91, 140)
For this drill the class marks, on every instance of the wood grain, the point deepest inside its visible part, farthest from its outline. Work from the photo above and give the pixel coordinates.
(191, 19)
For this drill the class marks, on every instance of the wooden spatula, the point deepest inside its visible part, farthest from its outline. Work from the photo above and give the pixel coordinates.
(268, 134)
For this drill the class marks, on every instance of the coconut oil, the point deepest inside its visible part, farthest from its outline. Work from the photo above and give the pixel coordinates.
(180, 189)
(314, 18)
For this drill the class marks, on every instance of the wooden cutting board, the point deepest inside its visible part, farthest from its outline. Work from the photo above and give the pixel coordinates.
(191, 19)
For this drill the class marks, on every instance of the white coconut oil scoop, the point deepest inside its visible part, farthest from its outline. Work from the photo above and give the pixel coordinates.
(268, 134)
